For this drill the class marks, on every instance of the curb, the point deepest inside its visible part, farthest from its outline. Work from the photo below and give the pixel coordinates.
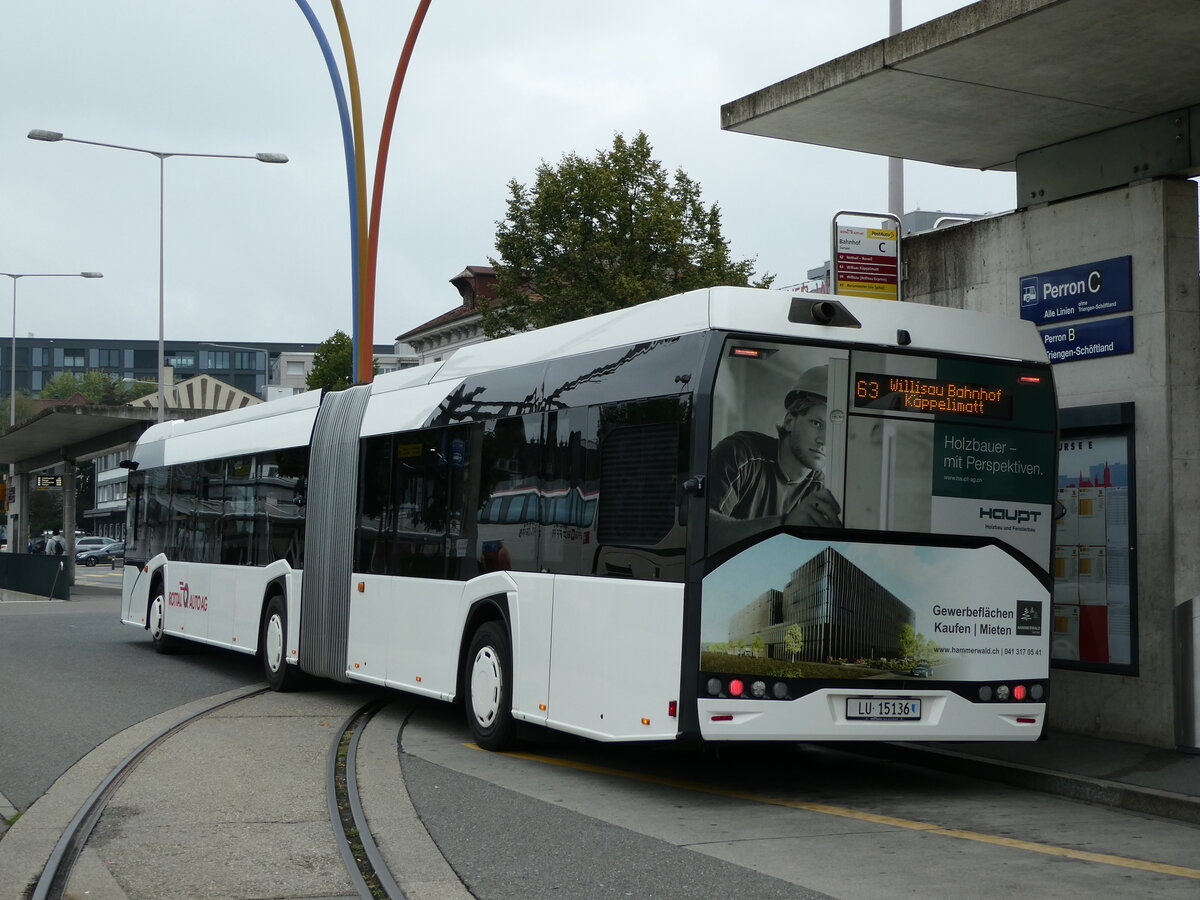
(29, 843)
(7, 813)
(1119, 795)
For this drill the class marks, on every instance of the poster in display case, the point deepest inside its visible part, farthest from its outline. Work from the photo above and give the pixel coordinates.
(1095, 583)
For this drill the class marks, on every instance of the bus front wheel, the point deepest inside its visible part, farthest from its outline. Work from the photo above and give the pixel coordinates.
(156, 624)
(488, 681)
(272, 647)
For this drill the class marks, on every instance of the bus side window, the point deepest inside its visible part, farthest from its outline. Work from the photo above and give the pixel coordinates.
(237, 512)
(208, 511)
(135, 526)
(158, 510)
(642, 459)
(279, 512)
(508, 538)
(638, 468)
(412, 499)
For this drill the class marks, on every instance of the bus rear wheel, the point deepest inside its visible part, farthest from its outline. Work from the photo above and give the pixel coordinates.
(272, 648)
(156, 623)
(488, 681)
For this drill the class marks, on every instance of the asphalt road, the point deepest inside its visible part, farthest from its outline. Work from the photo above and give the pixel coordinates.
(565, 818)
(73, 676)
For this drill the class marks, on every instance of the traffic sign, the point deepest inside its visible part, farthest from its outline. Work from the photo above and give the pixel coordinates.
(866, 261)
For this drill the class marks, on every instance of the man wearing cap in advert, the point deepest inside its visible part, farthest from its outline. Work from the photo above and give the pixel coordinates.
(758, 483)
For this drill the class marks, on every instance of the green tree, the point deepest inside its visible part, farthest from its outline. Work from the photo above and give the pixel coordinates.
(594, 235)
(26, 408)
(794, 640)
(98, 387)
(333, 364)
(914, 645)
(758, 646)
(45, 511)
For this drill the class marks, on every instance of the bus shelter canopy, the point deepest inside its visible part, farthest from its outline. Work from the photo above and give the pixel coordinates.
(71, 432)
(987, 83)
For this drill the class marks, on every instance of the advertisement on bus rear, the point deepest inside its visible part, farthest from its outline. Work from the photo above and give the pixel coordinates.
(878, 612)
(827, 466)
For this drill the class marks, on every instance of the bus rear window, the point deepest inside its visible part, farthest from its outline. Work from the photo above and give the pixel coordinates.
(809, 437)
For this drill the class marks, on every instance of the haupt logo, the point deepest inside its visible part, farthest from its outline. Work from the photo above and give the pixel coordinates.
(1000, 514)
(185, 599)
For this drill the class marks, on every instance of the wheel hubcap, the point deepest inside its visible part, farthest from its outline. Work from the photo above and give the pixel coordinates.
(274, 643)
(156, 618)
(487, 679)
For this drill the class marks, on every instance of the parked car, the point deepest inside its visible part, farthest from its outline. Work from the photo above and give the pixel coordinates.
(106, 554)
(91, 542)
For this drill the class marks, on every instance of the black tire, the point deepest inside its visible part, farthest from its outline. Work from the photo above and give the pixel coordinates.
(90, 561)
(487, 684)
(272, 648)
(155, 615)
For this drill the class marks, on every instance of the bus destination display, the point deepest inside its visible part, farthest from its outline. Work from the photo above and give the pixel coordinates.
(935, 396)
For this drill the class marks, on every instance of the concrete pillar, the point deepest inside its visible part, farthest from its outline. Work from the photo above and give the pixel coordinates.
(23, 534)
(68, 528)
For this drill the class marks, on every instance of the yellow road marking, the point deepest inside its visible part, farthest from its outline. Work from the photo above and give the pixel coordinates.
(892, 821)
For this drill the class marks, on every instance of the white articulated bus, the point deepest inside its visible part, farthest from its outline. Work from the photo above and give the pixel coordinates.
(732, 514)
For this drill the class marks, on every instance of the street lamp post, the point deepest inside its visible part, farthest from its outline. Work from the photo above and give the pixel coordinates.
(266, 360)
(39, 134)
(12, 397)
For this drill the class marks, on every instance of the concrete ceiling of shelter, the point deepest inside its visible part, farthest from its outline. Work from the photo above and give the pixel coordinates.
(992, 80)
(71, 432)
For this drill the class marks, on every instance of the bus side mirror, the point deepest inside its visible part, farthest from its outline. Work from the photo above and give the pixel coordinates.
(692, 487)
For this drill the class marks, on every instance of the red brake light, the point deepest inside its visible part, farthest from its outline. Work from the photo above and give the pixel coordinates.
(736, 688)
(1019, 692)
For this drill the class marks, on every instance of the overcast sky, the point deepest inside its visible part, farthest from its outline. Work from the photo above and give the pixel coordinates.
(258, 252)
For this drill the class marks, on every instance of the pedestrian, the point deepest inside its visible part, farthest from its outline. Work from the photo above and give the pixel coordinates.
(57, 545)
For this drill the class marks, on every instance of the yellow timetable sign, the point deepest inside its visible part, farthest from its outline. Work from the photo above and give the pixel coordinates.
(866, 262)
